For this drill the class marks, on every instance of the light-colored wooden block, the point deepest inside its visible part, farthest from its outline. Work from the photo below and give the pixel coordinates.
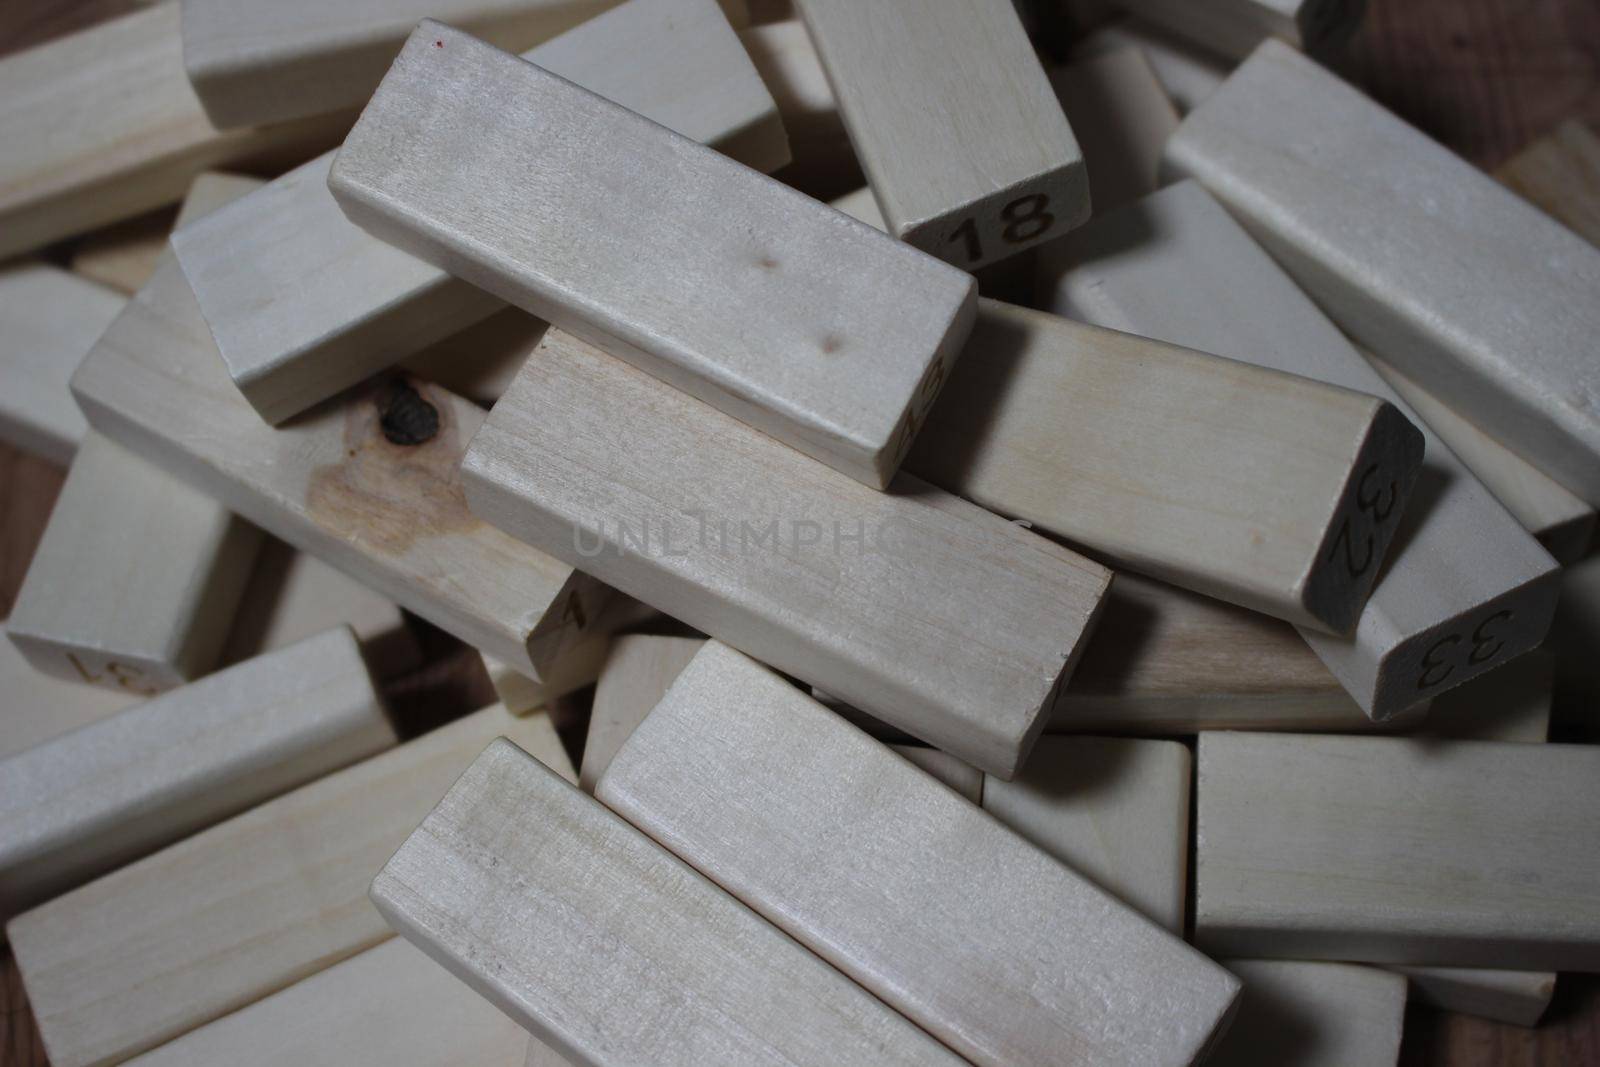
(38, 707)
(1121, 117)
(516, 906)
(579, 667)
(716, 524)
(481, 361)
(816, 330)
(105, 795)
(955, 124)
(1189, 74)
(1560, 173)
(303, 303)
(337, 484)
(964, 778)
(987, 943)
(1389, 850)
(787, 62)
(1420, 257)
(1510, 703)
(1114, 810)
(1466, 587)
(49, 319)
(241, 910)
(103, 125)
(257, 63)
(637, 673)
(136, 578)
(1313, 1015)
(1517, 997)
(1235, 27)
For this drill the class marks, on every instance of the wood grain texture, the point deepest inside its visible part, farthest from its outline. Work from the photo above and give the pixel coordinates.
(1121, 117)
(102, 796)
(303, 303)
(136, 578)
(1417, 255)
(1188, 73)
(955, 124)
(745, 539)
(638, 670)
(1466, 587)
(1388, 850)
(39, 706)
(1234, 27)
(515, 906)
(1516, 997)
(1560, 173)
(958, 923)
(965, 779)
(1313, 1015)
(243, 909)
(809, 327)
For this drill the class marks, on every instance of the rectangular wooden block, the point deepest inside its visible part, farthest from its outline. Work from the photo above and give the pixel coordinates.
(1388, 850)
(807, 326)
(39, 706)
(1314, 1015)
(1234, 27)
(1517, 997)
(1560, 173)
(239, 911)
(1466, 587)
(1122, 118)
(1420, 257)
(102, 796)
(136, 578)
(987, 943)
(369, 484)
(915, 606)
(303, 303)
(1187, 72)
(516, 907)
(637, 672)
(955, 124)
(824, 162)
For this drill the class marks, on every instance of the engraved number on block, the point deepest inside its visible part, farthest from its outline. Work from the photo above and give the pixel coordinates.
(1482, 646)
(1025, 218)
(126, 677)
(1367, 503)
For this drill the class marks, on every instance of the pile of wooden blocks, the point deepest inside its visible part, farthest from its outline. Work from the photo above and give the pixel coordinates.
(797, 501)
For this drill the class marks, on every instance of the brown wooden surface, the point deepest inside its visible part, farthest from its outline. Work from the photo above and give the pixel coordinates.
(1483, 76)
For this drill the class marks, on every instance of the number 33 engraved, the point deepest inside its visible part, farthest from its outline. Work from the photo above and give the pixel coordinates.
(1440, 663)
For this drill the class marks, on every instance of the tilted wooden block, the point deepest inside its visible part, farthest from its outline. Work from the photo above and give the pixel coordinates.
(136, 578)
(824, 162)
(105, 795)
(955, 124)
(241, 910)
(745, 539)
(1388, 850)
(303, 303)
(1313, 1015)
(103, 125)
(1517, 997)
(637, 672)
(369, 485)
(1560, 173)
(39, 706)
(1122, 118)
(580, 667)
(516, 878)
(987, 943)
(1188, 73)
(1466, 587)
(1420, 257)
(1234, 27)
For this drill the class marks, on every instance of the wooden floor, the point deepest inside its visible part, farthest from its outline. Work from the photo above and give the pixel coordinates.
(1483, 76)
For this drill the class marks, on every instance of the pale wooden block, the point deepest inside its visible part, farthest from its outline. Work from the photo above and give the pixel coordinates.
(1510, 703)
(637, 672)
(923, 610)
(136, 578)
(1389, 850)
(481, 361)
(1466, 587)
(1122, 117)
(787, 62)
(49, 319)
(962, 777)
(1563, 523)
(336, 484)
(1114, 810)
(1188, 74)
(955, 124)
(105, 795)
(103, 125)
(243, 909)
(257, 63)
(826, 335)
(389, 1005)
(1560, 173)
(1313, 1015)
(580, 667)
(303, 303)
(515, 906)
(993, 947)
(1517, 997)
(1235, 27)
(39, 706)
(1419, 256)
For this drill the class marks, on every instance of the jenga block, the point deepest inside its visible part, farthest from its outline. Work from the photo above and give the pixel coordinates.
(1517, 997)
(1188, 73)
(637, 672)
(39, 706)
(1122, 117)
(824, 162)
(1313, 1015)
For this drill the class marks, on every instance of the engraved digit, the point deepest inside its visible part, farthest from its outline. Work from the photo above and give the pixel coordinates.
(968, 232)
(1480, 641)
(1356, 569)
(1365, 503)
(1036, 216)
(1429, 664)
(72, 657)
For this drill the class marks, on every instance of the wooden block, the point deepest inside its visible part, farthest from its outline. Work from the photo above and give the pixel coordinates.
(963, 72)
(1510, 703)
(1466, 587)
(48, 320)
(39, 706)
(1517, 997)
(515, 907)
(252, 64)
(480, 361)
(637, 672)
(847, 386)
(303, 303)
(1560, 173)
(1314, 1015)
(103, 796)
(824, 162)
(964, 778)
(1188, 74)
(389, 1005)
(1121, 117)
(993, 947)
(1114, 810)
(1420, 257)
(103, 125)
(337, 484)
(239, 911)
(729, 532)
(580, 667)
(1235, 27)
(136, 578)
(1388, 850)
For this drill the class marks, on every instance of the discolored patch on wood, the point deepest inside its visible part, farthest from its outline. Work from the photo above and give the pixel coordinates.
(407, 418)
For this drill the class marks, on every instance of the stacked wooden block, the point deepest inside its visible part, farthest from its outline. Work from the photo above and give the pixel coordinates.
(1054, 573)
